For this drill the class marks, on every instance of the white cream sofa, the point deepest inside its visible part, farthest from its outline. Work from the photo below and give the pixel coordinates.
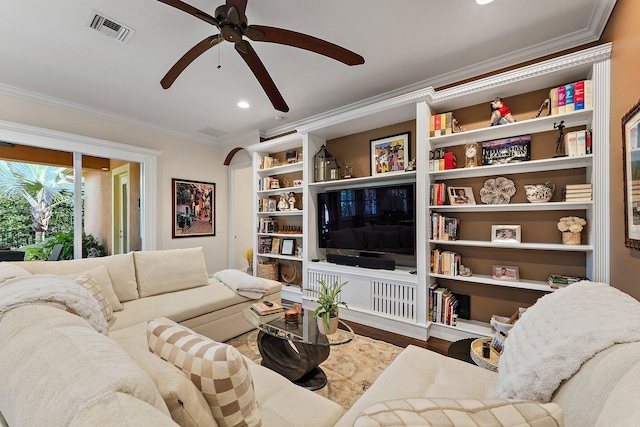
(62, 372)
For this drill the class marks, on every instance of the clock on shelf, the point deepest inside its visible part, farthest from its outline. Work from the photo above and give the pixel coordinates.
(471, 155)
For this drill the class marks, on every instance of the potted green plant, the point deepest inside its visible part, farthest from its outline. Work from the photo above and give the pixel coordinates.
(327, 311)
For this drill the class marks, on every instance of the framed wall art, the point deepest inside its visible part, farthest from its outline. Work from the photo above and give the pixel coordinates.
(193, 208)
(505, 233)
(506, 150)
(390, 154)
(631, 172)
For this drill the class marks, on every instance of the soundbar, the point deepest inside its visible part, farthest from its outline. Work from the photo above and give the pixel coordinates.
(364, 262)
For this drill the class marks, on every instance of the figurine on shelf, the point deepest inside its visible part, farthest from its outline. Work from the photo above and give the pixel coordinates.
(292, 201)
(500, 113)
(560, 141)
(282, 203)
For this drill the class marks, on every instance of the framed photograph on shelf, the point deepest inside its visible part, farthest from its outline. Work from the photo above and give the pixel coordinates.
(505, 233)
(275, 245)
(506, 150)
(288, 246)
(505, 272)
(497, 343)
(390, 154)
(631, 173)
(461, 196)
(292, 156)
(193, 208)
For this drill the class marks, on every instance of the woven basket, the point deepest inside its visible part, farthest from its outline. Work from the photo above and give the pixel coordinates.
(269, 270)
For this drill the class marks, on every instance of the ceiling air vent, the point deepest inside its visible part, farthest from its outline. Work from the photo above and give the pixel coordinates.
(109, 27)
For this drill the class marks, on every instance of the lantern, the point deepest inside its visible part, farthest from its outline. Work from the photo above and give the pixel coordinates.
(322, 162)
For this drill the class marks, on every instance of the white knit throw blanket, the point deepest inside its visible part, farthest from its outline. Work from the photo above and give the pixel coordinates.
(559, 333)
(52, 290)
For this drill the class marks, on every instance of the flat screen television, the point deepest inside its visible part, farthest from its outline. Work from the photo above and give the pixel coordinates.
(375, 220)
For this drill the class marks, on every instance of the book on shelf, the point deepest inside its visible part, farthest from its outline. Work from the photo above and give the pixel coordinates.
(577, 193)
(557, 281)
(568, 98)
(445, 262)
(561, 99)
(442, 305)
(437, 194)
(264, 244)
(577, 143)
(263, 309)
(571, 97)
(442, 124)
(444, 228)
(553, 99)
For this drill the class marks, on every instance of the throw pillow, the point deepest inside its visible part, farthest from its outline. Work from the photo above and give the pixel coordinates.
(445, 412)
(88, 282)
(10, 271)
(101, 275)
(218, 370)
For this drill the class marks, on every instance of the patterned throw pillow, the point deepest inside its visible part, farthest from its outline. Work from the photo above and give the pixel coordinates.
(88, 282)
(444, 412)
(218, 370)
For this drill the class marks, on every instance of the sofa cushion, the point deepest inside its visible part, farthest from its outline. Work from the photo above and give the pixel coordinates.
(121, 271)
(87, 281)
(11, 271)
(185, 402)
(444, 412)
(424, 373)
(101, 275)
(219, 371)
(159, 272)
(116, 409)
(54, 363)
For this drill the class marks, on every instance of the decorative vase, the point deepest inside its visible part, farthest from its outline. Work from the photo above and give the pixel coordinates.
(569, 238)
(333, 325)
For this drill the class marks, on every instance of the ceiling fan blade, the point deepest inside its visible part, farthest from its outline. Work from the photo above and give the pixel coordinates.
(257, 67)
(261, 33)
(191, 11)
(236, 11)
(188, 58)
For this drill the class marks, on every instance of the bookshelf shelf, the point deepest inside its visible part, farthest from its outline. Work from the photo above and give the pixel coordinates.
(488, 280)
(532, 246)
(515, 207)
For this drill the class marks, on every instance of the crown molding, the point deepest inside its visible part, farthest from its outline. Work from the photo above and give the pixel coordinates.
(94, 112)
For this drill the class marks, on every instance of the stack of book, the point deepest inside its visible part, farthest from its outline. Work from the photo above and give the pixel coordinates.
(577, 193)
(571, 97)
(557, 281)
(578, 143)
(444, 228)
(442, 305)
(440, 159)
(443, 124)
(437, 194)
(445, 262)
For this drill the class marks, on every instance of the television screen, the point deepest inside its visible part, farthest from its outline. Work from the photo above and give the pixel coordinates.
(375, 220)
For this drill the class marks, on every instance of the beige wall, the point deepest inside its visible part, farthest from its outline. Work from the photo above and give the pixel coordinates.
(624, 32)
(180, 159)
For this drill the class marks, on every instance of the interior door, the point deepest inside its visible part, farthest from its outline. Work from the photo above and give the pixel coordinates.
(120, 214)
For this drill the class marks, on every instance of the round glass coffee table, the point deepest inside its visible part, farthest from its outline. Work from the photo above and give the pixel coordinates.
(295, 349)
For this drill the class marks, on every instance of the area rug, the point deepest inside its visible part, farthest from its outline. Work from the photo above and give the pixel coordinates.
(351, 368)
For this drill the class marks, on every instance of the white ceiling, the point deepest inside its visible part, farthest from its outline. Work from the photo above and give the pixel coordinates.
(49, 53)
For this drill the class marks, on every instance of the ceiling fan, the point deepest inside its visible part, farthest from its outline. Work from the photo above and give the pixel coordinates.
(231, 20)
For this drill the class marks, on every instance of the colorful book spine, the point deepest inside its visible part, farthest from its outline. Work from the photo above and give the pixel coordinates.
(581, 142)
(578, 95)
(561, 99)
(588, 94)
(568, 98)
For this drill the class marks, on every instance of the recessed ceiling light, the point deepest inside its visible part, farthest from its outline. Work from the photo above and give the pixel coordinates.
(243, 104)
(483, 1)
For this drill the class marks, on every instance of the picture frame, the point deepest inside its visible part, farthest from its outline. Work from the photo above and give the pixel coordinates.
(288, 247)
(292, 156)
(193, 208)
(497, 343)
(505, 272)
(390, 154)
(461, 196)
(275, 245)
(507, 150)
(505, 234)
(631, 173)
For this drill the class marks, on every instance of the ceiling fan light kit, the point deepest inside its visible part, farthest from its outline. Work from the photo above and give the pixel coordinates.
(232, 22)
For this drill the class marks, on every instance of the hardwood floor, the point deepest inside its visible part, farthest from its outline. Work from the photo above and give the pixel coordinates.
(435, 344)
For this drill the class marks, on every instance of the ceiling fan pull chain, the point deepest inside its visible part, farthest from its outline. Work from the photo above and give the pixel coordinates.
(219, 66)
